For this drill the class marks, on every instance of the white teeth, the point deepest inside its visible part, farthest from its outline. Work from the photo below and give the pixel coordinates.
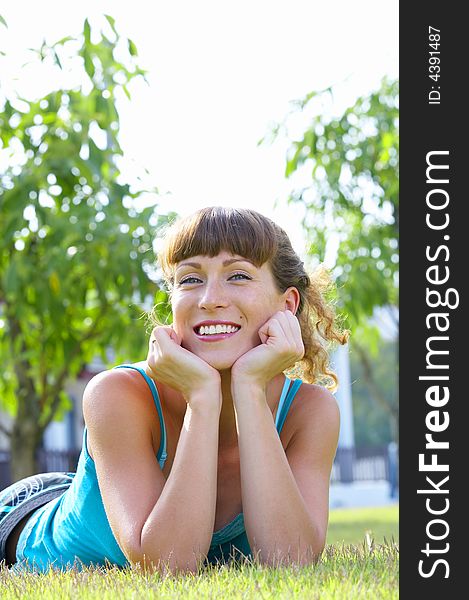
(217, 329)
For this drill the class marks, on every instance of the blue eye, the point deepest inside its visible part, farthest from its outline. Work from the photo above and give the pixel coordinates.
(189, 280)
(192, 279)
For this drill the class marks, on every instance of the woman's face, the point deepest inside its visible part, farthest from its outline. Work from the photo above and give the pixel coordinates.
(219, 303)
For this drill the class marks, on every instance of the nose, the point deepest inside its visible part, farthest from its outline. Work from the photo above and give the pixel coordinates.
(213, 296)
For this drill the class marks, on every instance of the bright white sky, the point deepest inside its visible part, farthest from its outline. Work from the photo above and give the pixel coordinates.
(220, 73)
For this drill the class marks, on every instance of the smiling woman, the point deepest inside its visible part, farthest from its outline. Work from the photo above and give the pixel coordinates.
(205, 451)
(255, 242)
(229, 288)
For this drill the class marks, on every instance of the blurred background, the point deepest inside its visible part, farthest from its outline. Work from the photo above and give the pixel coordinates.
(115, 118)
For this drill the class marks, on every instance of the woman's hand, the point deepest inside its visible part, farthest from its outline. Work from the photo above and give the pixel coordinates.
(173, 365)
(281, 347)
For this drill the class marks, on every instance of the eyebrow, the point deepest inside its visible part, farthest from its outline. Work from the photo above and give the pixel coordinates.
(226, 263)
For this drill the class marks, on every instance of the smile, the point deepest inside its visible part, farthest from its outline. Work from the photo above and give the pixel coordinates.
(211, 331)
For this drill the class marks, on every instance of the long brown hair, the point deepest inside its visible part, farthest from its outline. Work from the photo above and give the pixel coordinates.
(247, 233)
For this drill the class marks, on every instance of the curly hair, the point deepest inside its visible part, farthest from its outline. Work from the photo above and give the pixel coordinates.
(247, 233)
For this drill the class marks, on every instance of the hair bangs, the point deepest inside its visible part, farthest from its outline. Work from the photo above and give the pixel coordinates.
(212, 230)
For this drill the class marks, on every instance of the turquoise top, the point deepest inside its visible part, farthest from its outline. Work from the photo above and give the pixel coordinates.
(73, 530)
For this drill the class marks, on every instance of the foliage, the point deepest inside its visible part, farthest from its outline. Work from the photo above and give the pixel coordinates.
(350, 168)
(345, 173)
(75, 246)
(371, 421)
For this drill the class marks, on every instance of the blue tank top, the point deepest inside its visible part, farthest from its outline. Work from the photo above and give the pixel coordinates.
(73, 530)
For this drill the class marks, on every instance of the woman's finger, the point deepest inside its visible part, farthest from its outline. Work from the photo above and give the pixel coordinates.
(276, 327)
(164, 336)
(291, 333)
(288, 327)
(295, 328)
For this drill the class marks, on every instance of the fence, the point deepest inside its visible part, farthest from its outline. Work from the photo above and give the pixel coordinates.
(351, 464)
(365, 463)
(48, 461)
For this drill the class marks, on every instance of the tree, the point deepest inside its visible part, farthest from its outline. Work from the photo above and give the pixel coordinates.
(346, 169)
(372, 425)
(75, 245)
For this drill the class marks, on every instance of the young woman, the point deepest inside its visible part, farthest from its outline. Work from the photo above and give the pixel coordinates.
(206, 450)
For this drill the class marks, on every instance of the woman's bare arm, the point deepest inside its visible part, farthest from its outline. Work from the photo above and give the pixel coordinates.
(155, 521)
(286, 494)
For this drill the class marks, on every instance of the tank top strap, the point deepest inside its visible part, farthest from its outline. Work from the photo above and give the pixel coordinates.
(161, 456)
(286, 398)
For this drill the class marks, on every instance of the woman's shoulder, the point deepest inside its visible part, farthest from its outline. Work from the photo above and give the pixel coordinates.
(119, 374)
(317, 394)
(118, 406)
(314, 425)
(114, 389)
(315, 405)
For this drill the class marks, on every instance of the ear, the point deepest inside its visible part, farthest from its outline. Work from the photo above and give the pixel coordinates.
(291, 299)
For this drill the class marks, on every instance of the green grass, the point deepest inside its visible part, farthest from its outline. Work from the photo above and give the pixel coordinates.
(350, 525)
(360, 570)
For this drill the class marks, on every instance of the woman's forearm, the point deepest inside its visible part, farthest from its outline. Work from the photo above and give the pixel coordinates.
(277, 522)
(179, 529)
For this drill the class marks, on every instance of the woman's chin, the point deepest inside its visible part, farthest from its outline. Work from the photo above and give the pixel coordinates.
(220, 361)
(221, 364)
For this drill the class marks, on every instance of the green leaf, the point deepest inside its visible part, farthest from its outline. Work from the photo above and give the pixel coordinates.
(3, 22)
(126, 91)
(87, 32)
(112, 22)
(89, 66)
(63, 41)
(132, 48)
(57, 59)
